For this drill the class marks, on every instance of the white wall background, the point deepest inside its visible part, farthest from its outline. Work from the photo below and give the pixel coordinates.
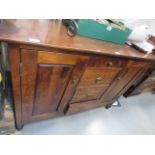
(137, 22)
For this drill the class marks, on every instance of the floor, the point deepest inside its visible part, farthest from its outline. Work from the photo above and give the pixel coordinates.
(135, 116)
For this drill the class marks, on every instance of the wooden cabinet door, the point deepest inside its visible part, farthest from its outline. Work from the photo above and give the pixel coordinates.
(45, 76)
(128, 75)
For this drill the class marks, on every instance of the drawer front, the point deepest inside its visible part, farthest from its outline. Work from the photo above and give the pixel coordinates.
(75, 108)
(114, 62)
(98, 76)
(104, 61)
(88, 93)
(84, 106)
(132, 63)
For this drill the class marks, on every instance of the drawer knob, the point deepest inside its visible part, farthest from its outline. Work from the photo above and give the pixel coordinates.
(98, 79)
(87, 95)
(74, 81)
(110, 63)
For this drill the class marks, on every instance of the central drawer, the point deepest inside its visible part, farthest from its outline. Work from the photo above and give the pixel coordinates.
(88, 93)
(98, 76)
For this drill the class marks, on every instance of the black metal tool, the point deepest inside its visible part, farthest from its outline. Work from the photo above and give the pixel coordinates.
(72, 26)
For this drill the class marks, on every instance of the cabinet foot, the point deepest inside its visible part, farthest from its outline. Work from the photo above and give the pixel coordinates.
(108, 106)
(153, 91)
(116, 104)
(19, 127)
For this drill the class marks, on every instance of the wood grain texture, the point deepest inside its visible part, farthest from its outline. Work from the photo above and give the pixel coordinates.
(14, 60)
(50, 85)
(58, 58)
(61, 74)
(122, 82)
(48, 33)
(28, 79)
(79, 69)
(88, 93)
(44, 84)
(98, 76)
(84, 106)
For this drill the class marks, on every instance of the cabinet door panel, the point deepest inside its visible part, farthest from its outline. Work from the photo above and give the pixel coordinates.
(120, 83)
(50, 85)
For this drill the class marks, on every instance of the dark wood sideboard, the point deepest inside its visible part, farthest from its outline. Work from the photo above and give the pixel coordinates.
(55, 75)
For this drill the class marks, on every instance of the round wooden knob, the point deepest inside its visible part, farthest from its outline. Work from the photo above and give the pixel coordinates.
(110, 63)
(98, 79)
(87, 95)
(74, 81)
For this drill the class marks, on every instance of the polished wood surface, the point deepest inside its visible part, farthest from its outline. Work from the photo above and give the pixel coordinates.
(14, 59)
(88, 93)
(54, 74)
(28, 78)
(50, 33)
(98, 76)
(77, 107)
(54, 58)
(50, 86)
(121, 82)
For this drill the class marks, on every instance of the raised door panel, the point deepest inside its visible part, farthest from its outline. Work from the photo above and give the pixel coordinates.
(45, 77)
(50, 86)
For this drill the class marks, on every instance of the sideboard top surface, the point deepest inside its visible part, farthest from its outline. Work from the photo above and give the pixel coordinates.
(50, 33)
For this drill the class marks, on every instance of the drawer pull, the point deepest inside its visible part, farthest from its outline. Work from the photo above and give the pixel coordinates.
(74, 81)
(87, 95)
(110, 63)
(98, 79)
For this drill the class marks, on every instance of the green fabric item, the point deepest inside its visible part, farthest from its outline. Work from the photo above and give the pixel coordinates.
(92, 29)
